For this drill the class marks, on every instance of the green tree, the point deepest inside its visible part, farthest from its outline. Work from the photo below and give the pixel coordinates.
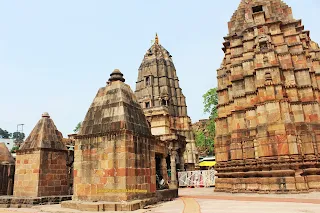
(204, 142)
(205, 138)
(4, 134)
(14, 149)
(210, 101)
(77, 128)
(19, 136)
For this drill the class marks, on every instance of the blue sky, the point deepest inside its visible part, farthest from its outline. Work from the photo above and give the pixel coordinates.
(54, 55)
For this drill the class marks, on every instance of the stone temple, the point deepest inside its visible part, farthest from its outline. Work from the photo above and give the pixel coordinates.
(41, 163)
(114, 158)
(164, 105)
(268, 125)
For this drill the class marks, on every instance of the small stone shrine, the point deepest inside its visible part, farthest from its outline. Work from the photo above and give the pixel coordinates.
(114, 164)
(41, 167)
(6, 170)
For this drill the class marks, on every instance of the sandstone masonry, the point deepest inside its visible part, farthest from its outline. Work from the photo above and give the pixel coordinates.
(268, 125)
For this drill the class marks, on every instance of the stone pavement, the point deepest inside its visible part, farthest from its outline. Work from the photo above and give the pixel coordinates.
(204, 200)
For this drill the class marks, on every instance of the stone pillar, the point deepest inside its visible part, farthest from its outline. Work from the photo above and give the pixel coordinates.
(164, 171)
(173, 183)
(256, 149)
(181, 161)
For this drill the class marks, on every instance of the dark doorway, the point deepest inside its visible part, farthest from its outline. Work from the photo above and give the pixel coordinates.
(168, 167)
(159, 175)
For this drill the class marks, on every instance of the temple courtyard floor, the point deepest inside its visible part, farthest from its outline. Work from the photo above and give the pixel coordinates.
(204, 200)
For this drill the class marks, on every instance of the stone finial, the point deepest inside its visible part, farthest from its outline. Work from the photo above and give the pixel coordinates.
(45, 115)
(116, 75)
(156, 39)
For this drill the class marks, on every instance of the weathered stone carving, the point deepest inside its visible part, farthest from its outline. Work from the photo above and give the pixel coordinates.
(268, 125)
(160, 95)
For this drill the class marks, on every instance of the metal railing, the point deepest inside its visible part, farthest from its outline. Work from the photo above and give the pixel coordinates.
(201, 178)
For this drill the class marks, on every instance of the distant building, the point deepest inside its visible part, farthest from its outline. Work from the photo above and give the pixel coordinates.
(8, 142)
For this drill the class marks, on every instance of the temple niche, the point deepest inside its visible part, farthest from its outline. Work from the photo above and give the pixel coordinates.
(164, 105)
(268, 127)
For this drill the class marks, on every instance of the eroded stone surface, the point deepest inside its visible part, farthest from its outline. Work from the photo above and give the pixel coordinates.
(267, 131)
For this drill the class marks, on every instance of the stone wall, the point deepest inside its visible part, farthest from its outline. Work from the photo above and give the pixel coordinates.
(106, 166)
(40, 173)
(27, 174)
(53, 174)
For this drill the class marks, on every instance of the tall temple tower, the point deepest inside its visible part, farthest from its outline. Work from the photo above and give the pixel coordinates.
(268, 127)
(160, 95)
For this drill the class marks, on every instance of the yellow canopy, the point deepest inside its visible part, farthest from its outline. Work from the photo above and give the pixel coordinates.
(207, 163)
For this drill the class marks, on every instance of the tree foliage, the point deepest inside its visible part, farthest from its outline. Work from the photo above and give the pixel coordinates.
(77, 128)
(4, 134)
(210, 101)
(19, 136)
(205, 138)
(14, 149)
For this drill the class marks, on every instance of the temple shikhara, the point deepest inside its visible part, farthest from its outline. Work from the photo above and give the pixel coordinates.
(164, 105)
(268, 125)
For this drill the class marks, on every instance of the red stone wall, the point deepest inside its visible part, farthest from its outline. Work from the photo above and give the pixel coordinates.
(40, 173)
(53, 174)
(106, 166)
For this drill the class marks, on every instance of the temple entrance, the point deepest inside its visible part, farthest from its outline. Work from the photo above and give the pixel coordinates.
(159, 172)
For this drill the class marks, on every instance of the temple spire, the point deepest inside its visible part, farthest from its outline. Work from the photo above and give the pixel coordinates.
(156, 39)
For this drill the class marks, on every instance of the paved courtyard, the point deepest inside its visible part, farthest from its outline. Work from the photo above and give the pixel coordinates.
(204, 200)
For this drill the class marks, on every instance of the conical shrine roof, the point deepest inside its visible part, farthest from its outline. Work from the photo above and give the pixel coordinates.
(275, 10)
(5, 155)
(114, 108)
(44, 135)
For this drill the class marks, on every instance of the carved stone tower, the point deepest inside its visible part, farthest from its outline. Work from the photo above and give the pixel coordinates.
(268, 127)
(160, 95)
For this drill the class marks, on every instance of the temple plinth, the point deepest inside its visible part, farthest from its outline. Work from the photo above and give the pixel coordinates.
(268, 125)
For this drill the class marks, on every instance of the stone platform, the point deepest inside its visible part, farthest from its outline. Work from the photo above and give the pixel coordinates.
(23, 202)
(162, 195)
